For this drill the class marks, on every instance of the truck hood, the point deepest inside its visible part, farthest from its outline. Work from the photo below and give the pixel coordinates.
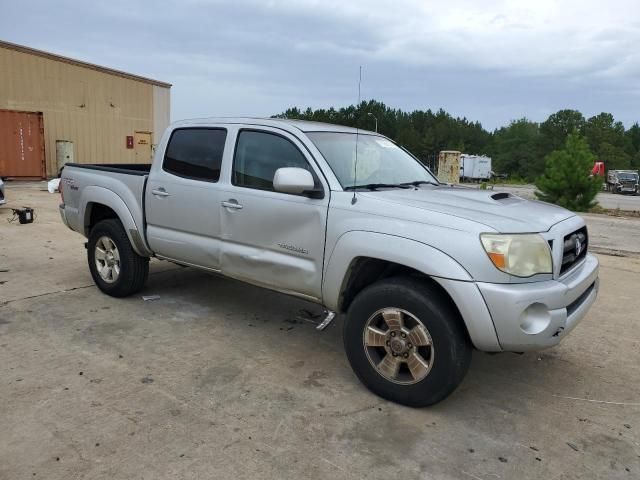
(503, 212)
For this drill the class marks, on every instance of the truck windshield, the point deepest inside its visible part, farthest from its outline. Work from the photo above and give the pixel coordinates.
(627, 176)
(380, 161)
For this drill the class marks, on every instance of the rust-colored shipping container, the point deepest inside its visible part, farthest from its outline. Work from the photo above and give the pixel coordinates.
(21, 145)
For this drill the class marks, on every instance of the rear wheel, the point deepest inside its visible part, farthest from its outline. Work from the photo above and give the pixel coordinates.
(405, 342)
(116, 268)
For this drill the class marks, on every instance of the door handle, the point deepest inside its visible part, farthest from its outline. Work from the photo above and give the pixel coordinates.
(232, 204)
(160, 192)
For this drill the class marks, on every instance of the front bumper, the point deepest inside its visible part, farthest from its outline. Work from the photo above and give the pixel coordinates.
(626, 188)
(533, 316)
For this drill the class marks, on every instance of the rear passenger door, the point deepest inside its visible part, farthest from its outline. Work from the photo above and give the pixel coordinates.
(271, 238)
(182, 197)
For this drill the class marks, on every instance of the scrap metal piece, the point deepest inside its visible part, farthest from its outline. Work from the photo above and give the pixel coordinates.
(327, 320)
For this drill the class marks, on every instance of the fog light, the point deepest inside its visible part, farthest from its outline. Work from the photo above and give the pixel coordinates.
(535, 318)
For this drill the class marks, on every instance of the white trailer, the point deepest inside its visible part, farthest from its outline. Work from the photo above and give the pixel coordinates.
(475, 167)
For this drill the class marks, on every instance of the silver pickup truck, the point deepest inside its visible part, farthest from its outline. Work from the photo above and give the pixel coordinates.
(347, 219)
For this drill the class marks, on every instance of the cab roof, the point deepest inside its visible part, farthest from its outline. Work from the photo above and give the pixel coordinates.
(286, 123)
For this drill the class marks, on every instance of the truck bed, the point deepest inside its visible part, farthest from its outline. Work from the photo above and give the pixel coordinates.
(120, 187)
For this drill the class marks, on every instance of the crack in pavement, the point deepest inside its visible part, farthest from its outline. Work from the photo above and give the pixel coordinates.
(7, 302)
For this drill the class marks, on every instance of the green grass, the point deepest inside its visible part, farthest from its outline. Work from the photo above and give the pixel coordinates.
(511, 181)
(614, 212)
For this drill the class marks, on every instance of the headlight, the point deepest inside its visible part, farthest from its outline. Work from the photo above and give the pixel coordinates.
(522, 255)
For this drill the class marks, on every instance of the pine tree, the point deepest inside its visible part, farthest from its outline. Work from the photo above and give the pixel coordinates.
(566, 181)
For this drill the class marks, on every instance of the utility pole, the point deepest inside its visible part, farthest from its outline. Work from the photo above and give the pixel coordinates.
(375, 118)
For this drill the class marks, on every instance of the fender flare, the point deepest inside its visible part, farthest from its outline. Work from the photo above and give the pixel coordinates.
(100, 195)
(383, 246)
(436, 264)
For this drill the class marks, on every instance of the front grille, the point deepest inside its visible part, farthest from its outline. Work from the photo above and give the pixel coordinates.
(574, 249)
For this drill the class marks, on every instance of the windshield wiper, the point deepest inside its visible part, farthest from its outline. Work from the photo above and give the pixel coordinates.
(420, 182)
(375, 186)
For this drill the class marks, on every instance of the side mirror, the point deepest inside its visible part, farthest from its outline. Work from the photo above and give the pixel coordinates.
(293, 180)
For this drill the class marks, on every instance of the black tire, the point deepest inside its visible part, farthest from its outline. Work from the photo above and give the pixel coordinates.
(134, 269)
(451, 345)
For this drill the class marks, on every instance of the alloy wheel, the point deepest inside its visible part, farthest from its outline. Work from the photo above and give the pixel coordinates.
(107, 259)
(398, 346)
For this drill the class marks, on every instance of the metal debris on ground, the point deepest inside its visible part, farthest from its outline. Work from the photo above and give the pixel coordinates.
(148, 298)
(573, 446)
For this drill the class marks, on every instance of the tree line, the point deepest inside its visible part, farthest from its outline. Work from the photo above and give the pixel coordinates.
(518, 149)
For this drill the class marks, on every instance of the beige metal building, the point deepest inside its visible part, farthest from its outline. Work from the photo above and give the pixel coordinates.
(55, 109)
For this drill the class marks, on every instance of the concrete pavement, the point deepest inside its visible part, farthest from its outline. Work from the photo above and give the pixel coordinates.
(614, 235)
(605, 199)
(218, 379)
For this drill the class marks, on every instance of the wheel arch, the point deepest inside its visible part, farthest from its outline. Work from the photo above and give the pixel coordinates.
(348, 272)
(100, 203)
(377, 249)
(365, 271)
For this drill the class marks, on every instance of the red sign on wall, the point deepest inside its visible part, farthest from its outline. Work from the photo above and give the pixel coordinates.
(129, 141)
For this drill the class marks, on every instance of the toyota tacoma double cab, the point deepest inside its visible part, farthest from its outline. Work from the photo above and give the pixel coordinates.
(422, 271)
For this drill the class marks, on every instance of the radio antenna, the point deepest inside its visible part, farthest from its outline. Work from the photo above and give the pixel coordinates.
(355, 163)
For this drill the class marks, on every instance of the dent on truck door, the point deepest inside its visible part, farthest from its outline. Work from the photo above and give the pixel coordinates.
(271, 238)
(183, 218)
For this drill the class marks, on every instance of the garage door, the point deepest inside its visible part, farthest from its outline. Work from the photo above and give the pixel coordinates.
(21, 144)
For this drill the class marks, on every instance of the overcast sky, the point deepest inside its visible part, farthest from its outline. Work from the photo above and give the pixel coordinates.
(490, 60)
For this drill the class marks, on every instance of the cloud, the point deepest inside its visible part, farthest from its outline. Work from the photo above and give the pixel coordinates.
(492, 61)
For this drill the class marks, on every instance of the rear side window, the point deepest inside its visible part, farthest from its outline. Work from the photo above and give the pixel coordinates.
(258, 156)
(195, 153)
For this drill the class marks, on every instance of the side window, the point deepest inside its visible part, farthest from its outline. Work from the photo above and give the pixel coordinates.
(259, 154)
(195, 153)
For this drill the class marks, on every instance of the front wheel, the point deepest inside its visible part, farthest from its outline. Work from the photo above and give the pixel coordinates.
(116, 268)
(405, 342)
